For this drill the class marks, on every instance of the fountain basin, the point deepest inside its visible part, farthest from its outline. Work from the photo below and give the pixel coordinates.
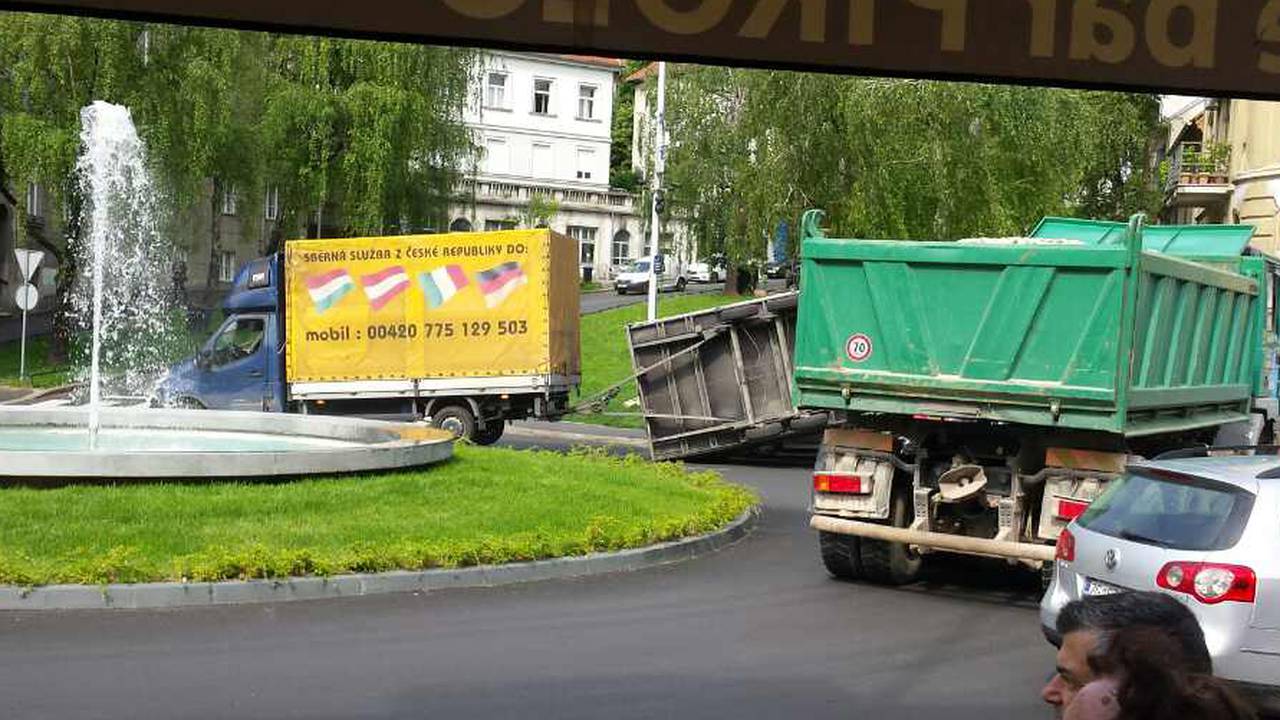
(141, 444)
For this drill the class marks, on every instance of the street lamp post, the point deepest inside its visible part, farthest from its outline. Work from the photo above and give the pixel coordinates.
(659, 166)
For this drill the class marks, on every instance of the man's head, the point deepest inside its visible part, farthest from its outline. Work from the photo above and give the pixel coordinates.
(1084, 626)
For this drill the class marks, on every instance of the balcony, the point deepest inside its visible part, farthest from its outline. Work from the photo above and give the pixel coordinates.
(518, 193)
(1199, 175)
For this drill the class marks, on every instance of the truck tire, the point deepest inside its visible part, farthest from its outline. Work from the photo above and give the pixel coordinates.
(457, 419)
(841, 555)
(491, 433)
(891, 563)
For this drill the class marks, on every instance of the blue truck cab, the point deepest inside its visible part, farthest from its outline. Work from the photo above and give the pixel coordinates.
(241, 366)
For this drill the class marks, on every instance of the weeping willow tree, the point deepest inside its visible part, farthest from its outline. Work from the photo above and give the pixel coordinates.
(370, 134)
(897, 158)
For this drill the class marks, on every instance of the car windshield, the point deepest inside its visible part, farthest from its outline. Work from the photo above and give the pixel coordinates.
(639, 267)
(1170, 510)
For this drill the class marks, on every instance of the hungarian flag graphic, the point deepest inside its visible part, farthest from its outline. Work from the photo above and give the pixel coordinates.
(382, 287)
(328, 288)
(441, 284)
(498, 283)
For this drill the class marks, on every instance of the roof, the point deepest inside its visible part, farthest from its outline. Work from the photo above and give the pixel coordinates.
(604, 62)
(1239, 470)
(642, 74)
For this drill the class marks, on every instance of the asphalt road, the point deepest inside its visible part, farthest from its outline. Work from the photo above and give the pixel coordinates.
(600, 301)
(755, 631)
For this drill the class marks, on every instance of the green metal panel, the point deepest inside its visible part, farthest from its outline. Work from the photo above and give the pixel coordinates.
(1201, 241)
(1100, 336)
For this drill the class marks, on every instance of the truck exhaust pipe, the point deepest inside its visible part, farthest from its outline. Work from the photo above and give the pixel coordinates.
(939, 541)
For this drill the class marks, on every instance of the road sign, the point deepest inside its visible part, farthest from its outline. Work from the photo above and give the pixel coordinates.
(28, 262)
(26, 296)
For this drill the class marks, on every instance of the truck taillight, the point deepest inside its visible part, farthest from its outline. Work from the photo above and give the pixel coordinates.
(1066, 550)
(1071, 509)
(1210, 583)
(847, 483)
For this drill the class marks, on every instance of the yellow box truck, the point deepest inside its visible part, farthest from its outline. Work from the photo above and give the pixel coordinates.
(467, 330)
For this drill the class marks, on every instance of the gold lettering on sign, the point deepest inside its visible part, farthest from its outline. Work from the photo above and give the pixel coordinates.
(700, 19)
(954, 13)
(862, 22)
(1044, 18)
(1199, 51)
(1269, 32)
(813, 19)
(561, 11)
(484, 9)
(1086, 19)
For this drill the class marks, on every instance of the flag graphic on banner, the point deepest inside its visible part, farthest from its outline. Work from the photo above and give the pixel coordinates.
(499, 282)
(328, 288)
(382, 287)
(441, 284)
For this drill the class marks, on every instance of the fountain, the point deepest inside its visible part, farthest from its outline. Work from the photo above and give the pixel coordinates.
(123, 301)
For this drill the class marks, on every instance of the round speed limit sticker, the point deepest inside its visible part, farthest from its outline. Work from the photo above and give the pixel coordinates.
(858, 347)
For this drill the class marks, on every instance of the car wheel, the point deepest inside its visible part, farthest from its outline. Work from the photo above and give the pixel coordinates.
(890, 563)
(185, 403)
(841, 555)
(621, 291)
(491, 433)
(681, 284)
(456, 419)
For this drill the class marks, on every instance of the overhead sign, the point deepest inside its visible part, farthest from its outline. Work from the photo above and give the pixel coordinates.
(28, 262)
(1212, 47)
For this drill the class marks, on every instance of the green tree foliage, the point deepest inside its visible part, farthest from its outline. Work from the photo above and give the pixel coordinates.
(897, 158)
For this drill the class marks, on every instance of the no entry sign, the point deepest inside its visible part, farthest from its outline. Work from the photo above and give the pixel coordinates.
(1210, 47)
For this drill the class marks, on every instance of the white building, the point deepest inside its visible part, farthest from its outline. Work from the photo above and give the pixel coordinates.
(544, 124)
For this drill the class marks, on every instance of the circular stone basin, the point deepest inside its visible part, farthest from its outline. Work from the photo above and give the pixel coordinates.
(138, 443)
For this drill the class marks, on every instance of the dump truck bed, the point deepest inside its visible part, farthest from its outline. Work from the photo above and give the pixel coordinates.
(719, 380)
(1088, 331)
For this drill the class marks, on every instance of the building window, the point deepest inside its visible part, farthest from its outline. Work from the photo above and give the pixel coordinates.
(491, 225)
(542, 97)
(273, 204)
(621, 247)
(226, 266)
(495, 94)
(496, 157)
(586, 160)
(586, 237)
(34, 194)
(542, 165)
(586, 102)
(229, 201)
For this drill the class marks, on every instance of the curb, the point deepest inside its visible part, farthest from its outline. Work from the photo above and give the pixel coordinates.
(38, 393)
(239, 592)
(588, 438)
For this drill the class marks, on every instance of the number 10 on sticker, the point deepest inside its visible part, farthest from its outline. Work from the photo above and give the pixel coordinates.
(858, 347)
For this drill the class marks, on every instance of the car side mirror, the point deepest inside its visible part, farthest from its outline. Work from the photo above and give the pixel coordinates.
(202, 359)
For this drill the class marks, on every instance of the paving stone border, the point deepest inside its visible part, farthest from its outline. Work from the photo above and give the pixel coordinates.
(237, 592)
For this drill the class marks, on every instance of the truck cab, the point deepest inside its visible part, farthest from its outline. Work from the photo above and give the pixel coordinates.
(241, 365)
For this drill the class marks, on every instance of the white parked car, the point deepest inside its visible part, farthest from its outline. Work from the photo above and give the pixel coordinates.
(635, 279)
(1205, 530)
(701, 272)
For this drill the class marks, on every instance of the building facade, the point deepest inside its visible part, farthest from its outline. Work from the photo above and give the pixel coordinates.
(1223, 165)
(543, 124)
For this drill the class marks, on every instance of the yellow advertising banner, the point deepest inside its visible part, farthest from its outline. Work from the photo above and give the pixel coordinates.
(455, 305)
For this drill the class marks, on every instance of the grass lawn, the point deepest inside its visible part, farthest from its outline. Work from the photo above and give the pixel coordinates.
(592, 286)
(41, 373)
(474, 509)
(605, 359)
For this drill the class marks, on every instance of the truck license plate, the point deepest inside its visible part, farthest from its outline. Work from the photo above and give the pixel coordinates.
(1097, 587)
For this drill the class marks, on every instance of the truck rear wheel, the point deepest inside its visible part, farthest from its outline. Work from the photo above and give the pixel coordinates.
(491, 433)
(891, 563)
(457, 419)
(841, 555)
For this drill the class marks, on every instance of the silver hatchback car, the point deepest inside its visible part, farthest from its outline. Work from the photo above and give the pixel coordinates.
(1206, 531)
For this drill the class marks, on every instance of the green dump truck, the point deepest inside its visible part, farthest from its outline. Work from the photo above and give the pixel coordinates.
(983, 392)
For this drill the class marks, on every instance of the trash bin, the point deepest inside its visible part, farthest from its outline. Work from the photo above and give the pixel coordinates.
(587, 272)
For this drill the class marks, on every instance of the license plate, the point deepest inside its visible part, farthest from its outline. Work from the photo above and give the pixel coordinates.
(1097, 587)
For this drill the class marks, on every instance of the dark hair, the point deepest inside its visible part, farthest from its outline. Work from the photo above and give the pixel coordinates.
(1156, 679)
(1111, 613)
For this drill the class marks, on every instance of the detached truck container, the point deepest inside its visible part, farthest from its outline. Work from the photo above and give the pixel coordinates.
(467, 330)
(984, 392)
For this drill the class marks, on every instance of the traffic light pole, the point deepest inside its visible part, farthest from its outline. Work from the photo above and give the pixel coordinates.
(659, 166)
